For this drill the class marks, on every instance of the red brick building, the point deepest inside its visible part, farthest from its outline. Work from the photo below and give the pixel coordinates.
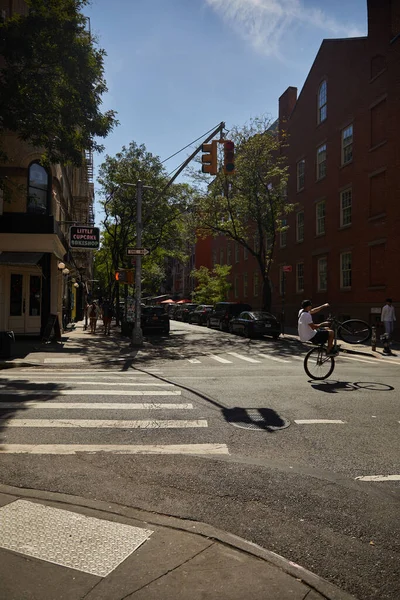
(343, 241)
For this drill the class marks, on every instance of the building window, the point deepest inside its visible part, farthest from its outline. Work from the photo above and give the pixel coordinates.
(345, 207)
(321, 161)
(345, 270)
(245, 287)
(300, 277)
(347, 145)
(378, 123)
(322, 274)
(214, 258)
(221, 257)
(322, 102)
(255, 284)
(229, 255)
(320, 214)
(300, 226)
(236, 286)
(283, 234)
(301, 171)
(236, 252)
(38, 190)
(245, 253)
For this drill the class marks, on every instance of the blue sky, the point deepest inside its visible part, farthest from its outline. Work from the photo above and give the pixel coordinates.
(176, 68)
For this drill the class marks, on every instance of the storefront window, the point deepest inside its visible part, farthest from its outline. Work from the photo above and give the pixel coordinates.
(37, 189)
(16, 295)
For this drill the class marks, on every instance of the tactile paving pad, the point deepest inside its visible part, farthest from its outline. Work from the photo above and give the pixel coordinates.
(69, 539)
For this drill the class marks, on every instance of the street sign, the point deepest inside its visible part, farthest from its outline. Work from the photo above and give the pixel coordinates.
(82, 236)
(136, 251)
(287, 269)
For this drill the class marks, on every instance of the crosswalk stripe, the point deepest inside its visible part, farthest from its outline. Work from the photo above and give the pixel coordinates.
(97, 423)
(318, 421)
(80, 374)
(194, 361)
(368, 361)
(97, 405)
(219, 359)
(114, 449)
(247, 358)
(101, 383)
(91, 392)
(379, 478)
(273, 358)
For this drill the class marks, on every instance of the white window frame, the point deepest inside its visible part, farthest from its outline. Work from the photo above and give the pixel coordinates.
(322, 274)
(256, 284)
(301, 174)
(245, 285)
(300, 226)
(345, 270)
(320, 217)
(346, 204)
(322, 101)
(321, 161)
(347, 145)
(300, 277)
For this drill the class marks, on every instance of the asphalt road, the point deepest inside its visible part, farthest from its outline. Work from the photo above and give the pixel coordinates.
(299, 491)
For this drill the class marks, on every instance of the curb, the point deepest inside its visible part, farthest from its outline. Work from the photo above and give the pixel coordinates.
(315, 582)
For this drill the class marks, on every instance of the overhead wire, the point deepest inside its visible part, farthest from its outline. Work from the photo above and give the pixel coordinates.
(187, 146)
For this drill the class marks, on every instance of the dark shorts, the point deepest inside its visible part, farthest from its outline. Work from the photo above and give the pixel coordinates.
(320, 337)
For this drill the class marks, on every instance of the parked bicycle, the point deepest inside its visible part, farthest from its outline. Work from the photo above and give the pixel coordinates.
(317, 363)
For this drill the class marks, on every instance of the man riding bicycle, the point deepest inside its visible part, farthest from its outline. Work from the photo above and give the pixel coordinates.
(310, 332)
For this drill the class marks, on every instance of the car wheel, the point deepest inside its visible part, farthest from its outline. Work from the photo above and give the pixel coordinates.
(230, 327)
(247, 332)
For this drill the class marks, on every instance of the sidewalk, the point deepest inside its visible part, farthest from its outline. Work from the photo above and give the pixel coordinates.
(104, 551)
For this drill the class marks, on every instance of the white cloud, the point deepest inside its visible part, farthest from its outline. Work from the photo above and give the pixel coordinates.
(266, 23)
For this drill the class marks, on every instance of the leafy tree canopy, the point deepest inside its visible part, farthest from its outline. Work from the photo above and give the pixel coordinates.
(51, 80)
(212, 286)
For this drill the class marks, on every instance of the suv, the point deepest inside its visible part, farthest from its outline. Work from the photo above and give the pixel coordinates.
(223, 312)
(154, 318)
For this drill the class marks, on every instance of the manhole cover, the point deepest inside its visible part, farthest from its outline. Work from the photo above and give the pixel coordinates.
(260, 419)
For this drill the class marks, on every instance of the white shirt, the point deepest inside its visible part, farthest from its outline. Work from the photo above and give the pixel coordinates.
(305, 331)
(388, 313)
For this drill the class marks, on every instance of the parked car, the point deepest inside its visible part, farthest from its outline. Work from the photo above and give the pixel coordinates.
(255, 323)
(173, 309)
(223, 312)
(187, 311)
(199, 314)
(154, 318)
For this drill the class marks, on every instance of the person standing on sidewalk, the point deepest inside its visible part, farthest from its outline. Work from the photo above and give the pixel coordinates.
(108, 313)
(94, 313)
(388, 317)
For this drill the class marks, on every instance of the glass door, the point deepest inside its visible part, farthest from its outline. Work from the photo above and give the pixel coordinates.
(25, 303)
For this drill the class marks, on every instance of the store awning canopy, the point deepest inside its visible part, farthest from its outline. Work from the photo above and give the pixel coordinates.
(167, 302)
(20, 258)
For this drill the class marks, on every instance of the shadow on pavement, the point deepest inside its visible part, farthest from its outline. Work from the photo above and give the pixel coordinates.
(333, 387)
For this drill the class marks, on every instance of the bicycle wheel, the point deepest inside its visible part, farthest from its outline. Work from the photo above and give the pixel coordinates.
(317, 364)
(354, 331)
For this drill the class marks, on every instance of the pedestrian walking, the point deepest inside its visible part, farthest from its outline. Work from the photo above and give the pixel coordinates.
(107, 310)
(388, 317)
(94, 313)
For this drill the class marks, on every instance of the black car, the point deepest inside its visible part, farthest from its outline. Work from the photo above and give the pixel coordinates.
(187, 311)
(223, 312)
(255, 323)
(200, 314)
(154, 318)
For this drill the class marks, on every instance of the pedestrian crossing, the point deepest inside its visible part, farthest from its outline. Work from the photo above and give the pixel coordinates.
(23, 420)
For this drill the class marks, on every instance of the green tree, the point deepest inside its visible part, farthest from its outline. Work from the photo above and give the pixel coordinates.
(212, 286)
(250, 206)
(51, 80)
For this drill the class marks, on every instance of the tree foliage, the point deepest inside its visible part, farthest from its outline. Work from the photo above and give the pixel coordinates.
(212, 286)
(51, 80)
(165, 230)
(250, 206)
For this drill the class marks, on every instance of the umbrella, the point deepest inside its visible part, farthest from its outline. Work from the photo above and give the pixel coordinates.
(183, 301)
(167, 302)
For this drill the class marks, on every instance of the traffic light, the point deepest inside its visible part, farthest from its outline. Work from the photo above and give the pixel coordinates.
(124, 276)
(229, 157)
(209, 160)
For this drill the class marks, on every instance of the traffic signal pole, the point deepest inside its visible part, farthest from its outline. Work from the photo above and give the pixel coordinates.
(137, 333)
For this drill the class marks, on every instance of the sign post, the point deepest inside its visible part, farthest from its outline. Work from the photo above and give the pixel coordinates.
(136, 251)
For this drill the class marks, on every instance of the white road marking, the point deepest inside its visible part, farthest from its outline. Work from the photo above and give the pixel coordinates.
(97, 405)
(64, 360)
(315, 421)
(364, 360)
(297, 357)
(95, 423)
(91, 392)
(221, 360)
(80, 374)
(274, 358)
(98, 383)
(379, 478)
(194, 361)
(248, 359)
(113, 449)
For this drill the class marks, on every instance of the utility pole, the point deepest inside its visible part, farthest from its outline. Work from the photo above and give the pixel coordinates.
(137, 334)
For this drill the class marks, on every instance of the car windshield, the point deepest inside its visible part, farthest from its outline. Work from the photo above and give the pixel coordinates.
(260, 315)
(153, 310)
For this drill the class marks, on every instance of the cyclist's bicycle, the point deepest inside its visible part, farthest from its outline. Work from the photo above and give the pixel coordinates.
(317, 363)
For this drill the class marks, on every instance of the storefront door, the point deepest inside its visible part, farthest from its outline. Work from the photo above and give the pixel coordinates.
(25, 302)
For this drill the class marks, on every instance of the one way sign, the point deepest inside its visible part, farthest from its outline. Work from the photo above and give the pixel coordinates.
(136, 251)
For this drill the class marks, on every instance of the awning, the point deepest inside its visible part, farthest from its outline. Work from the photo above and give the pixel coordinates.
(20, 258)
